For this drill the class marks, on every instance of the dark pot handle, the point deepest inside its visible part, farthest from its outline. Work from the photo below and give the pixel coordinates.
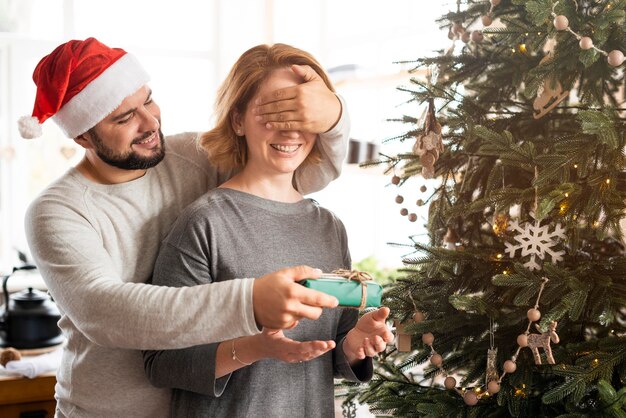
(5, 279)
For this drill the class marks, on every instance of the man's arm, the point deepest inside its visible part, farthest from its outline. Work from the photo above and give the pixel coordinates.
(80, 276)
(333, 145)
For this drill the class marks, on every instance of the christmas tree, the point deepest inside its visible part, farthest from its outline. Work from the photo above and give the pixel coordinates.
(516, 305)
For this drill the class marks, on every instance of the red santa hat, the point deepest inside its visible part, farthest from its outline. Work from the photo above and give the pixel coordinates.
(79, 84)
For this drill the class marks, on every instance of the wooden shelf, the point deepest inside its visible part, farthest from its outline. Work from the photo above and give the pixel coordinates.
(27, 398)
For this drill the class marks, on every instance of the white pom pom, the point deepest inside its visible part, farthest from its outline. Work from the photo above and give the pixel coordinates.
(29, 127)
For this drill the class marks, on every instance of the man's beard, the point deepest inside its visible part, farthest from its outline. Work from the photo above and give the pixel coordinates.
(130, 160)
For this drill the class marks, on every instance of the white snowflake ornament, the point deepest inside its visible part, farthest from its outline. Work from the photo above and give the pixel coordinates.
(535, 241)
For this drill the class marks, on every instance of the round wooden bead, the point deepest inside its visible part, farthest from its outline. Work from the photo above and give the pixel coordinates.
(419, 202)
(423, 188)
(399, 199)
(428, 338)
(585, 43)
(458, 28)
(465, 37)
(509, 366)
(487, 20)
(412, 217)
(493, 387)
(418, 317)
(428, 159)
(470, 398)
(522, 340)
(449, 383)
(436, 359)
(404, 211)
(477, 36)
(395, 180)
(533, 315)
(615, 58)
(560, 22)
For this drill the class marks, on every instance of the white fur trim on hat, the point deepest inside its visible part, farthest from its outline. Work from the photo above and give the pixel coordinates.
(29, 127)
(101, 96)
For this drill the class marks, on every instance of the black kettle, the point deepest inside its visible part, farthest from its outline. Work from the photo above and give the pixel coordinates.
(30, 318)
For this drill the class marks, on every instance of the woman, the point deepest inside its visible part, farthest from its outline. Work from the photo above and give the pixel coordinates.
(251, 224)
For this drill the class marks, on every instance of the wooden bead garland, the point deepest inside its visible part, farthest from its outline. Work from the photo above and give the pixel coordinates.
(471, 397)
(399, 199)
(615, 58)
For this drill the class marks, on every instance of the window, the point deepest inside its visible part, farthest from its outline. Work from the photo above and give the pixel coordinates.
(188, 47)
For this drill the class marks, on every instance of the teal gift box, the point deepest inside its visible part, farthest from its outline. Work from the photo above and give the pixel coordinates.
(349, 292)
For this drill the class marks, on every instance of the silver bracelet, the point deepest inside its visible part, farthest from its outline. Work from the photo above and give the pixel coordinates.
(232, 351)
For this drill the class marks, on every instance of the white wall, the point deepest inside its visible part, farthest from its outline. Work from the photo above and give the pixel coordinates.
(188, 46)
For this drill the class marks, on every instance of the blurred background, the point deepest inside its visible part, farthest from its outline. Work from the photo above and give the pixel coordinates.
(188, 47)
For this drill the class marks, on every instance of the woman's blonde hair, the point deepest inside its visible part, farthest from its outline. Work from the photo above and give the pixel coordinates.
(226, 150)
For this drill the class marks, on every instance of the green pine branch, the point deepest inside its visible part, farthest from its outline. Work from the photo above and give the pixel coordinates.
(567, 166)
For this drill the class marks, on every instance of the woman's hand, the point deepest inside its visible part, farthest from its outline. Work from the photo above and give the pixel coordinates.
(274, 344)
(271, 343)
(369, 336)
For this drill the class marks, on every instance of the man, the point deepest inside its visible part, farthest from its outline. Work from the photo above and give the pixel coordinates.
(95, 232)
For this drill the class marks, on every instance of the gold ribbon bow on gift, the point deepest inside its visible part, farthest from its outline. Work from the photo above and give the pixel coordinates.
(358, 276)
